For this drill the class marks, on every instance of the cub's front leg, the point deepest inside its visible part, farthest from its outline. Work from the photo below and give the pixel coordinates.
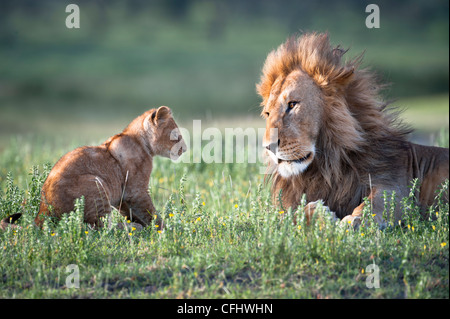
(138, 207)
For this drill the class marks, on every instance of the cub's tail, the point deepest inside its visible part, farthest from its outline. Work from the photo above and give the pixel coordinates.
(9, 221)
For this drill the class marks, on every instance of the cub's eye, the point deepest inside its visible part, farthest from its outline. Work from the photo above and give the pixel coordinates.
(266, 114)
(291, 105)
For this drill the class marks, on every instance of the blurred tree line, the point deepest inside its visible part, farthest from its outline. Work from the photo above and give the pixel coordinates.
(429, 16)
(201, 54)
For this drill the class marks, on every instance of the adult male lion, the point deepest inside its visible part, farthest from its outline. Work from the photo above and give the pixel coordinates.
(330, 137)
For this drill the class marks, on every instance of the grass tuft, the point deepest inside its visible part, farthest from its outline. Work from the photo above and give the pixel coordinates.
(223, 238)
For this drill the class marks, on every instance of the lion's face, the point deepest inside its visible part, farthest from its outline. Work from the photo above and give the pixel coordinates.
(293, 114)
(165, 136)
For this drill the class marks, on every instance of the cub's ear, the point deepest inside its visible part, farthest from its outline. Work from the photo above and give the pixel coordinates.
(162, 113)
(157, 116)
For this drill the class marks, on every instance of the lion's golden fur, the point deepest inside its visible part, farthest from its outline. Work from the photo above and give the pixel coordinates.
(361, 146)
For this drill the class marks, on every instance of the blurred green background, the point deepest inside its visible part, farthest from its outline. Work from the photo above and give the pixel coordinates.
(201, 58)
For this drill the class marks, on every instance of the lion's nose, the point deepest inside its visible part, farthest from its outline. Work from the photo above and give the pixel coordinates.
(273, 146)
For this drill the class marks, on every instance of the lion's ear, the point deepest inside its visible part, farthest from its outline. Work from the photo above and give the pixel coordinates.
(347, 71)
(338, 78)
(338, 53)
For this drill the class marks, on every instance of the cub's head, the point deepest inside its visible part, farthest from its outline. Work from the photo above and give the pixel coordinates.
(163, 133)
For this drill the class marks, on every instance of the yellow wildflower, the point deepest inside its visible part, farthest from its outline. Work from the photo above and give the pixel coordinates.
(130, 234)
(434, 227)
(281, 212)
(203, 204)
(362, 234)
(170, 215)
(128, 221)
(133, 228)
(52, 234)
(236, 206)
(86, 232)
(443, 244)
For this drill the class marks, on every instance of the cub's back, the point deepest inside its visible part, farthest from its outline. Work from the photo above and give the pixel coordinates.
(67, 179)
(84, 160)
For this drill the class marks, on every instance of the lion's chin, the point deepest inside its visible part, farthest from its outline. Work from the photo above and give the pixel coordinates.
(288, 168)
(291, 168)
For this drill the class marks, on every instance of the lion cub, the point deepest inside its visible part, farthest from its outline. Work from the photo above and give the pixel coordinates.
(114, 174)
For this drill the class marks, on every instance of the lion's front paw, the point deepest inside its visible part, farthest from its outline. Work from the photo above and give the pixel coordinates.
(354, 221)
(311, 207)
(130, 226)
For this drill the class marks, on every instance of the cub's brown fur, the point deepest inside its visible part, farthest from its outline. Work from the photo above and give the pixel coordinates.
(114, 174)
(330, 137)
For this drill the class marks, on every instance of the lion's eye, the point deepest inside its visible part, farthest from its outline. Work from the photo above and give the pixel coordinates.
(291, 105)
(266, 114)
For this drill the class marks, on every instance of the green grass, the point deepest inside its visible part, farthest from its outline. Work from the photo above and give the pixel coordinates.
(223, 239)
